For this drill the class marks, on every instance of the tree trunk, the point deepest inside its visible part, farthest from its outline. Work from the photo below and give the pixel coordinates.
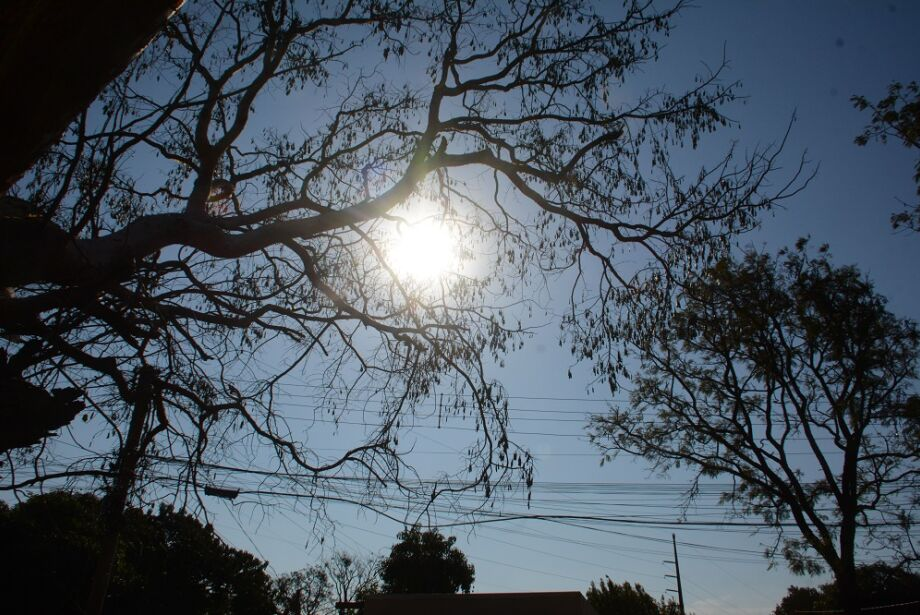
(848, 592)
(845, 575)
(55, 58)
(113, 506)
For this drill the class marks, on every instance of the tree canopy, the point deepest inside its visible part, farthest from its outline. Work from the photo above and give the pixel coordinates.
(425, 562)
(350, 578)
(883, 589)
(896, 116)
(609, 598)
(302, 592)
(59, 57)
(220, 222)
(789, 376)
(317, 589)
(167, 562)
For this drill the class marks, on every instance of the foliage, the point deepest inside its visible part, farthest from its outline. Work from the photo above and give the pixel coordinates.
(351, 578)
(47, 410)
(609, 598)
(302, 592)
(799, 599)
(167, 562)
(316, 589)
(878, 584)
(896, 116)
(426, 562)
(222, 215)
(792, 378)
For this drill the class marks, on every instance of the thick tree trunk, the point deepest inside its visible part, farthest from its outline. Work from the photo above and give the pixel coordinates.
(845, 575)
(113, 506)
(848, 592)
(56, 56)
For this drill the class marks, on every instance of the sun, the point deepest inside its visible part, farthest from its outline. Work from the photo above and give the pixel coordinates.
(423, 251)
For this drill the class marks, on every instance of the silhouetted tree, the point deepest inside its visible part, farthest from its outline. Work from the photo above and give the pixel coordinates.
(896, 116)
(609, 598)
(231, 198)
(302, 592)
(791, 377)
(351, 578)
(879, 585)
(186, 223)
(316, 589)
(426, 562)
(798, 599)
(167, 562)
(47, 411)
(57, 57)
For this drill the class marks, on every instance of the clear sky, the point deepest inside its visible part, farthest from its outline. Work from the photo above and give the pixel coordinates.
(794, 59)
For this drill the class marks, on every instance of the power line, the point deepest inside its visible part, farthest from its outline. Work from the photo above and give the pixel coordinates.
(439, 426)
(377, 390)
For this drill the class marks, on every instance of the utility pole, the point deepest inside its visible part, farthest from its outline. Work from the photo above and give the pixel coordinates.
(115, 501)
(676, 575)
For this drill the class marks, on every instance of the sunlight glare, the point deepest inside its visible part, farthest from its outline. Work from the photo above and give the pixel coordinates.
(423, 251)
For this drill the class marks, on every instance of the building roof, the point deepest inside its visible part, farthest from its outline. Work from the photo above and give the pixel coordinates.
(529, 603)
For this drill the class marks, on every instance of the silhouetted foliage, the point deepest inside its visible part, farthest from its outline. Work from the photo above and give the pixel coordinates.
(46, 411)
(609, 598)
(426, 562)
(58, 56)
(316, 589)
(790, 377)
(896, 116)
(167, 562)
(878, 585)
(302, 592)
(801, 599)
(222, 217)
(350, 578)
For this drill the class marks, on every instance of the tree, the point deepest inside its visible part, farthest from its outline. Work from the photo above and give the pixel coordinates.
(167, 562)
(48, 411)
(883, 589)
(426, 562)
(351, 578)
(191, 246)
(798, 599)
(58, 57)
(791, 377)
(896, 116)
(317, 589)
(302, 592)
(609, 598)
